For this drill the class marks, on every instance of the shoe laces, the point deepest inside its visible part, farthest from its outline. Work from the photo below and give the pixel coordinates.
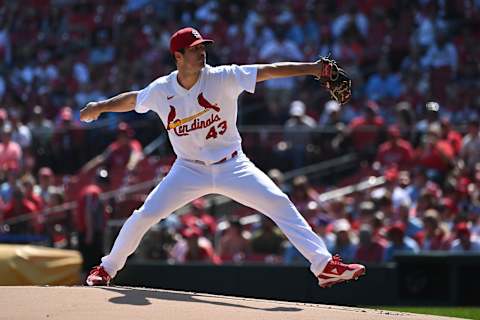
(337, 260)
(97, 270)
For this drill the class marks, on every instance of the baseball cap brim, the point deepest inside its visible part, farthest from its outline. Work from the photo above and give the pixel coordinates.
(199, 41)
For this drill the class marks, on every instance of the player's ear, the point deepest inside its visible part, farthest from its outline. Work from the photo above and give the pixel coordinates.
(178, 56)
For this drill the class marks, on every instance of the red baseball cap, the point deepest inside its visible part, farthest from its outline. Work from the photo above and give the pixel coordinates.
(186, 38)
(191, 232)
(397, 227)
(462, 228)
(391, 174)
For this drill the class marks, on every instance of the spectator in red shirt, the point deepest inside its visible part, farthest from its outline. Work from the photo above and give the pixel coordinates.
(28, 183)
(200, 218)
(434, 154)
(234, 246)
(370, 250)
(122, 154)
(20, 206)
(125, 151)
(434, 236)
(365, 131)
(395, 151)
(193, 247)
(10, 151)
(90, 220)
(451, 136)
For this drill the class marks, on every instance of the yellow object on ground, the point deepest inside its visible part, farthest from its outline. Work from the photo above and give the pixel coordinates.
(34, 265)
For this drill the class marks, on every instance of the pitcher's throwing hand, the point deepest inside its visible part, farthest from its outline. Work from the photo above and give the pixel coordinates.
(90, 113)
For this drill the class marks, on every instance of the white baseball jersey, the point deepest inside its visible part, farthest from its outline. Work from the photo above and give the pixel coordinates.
(201, 122)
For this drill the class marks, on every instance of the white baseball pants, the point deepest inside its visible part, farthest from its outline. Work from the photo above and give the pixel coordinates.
(238, 179)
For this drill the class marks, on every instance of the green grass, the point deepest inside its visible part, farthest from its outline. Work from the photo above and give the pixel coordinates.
(459, 312)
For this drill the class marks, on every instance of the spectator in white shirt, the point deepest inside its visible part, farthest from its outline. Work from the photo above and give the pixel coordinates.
(298, 133)
(351, 16)
(441, 53)
(470, 152)
(21, 133)
(279, 90)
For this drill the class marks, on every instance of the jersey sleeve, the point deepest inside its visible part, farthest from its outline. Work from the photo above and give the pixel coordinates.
(148, 98)
(241, 78)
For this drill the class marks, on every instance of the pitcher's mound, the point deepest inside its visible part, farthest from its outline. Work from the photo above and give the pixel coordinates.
(84, 303)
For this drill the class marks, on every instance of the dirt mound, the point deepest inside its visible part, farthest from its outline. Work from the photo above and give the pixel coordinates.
(84, 303)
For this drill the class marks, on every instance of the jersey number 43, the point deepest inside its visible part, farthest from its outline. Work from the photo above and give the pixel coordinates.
(213, 133)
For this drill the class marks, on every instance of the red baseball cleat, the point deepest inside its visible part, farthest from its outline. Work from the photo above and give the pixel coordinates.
(98, 277)
(336, 272)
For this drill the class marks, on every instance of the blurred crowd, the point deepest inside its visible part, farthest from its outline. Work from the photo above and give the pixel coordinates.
(414, 118)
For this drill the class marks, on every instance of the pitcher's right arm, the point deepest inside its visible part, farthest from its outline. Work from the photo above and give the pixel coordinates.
(123, 102)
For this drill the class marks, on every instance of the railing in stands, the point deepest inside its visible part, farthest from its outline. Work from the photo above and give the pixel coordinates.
(118, 193)
(369, 183)
(155, 144)
(322, 168)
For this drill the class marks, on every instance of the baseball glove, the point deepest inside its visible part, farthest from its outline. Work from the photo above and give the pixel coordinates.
(335, 80)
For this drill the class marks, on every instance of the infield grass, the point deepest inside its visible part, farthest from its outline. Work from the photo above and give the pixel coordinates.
(458, 312)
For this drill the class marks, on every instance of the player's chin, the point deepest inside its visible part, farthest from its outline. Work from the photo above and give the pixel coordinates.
(199, 66)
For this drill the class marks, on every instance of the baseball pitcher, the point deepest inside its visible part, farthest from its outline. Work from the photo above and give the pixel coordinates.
(197, 104)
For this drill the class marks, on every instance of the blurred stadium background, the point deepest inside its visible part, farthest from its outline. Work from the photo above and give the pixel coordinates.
(391, 180)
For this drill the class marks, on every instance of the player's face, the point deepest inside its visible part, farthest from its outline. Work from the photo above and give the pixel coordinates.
(195, 57)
